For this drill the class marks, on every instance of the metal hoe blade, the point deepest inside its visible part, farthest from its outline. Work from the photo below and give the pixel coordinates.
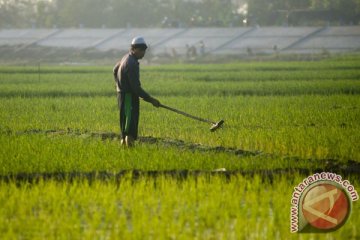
(217, 125)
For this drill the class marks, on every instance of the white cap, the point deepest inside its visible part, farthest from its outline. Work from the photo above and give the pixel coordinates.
(138, 40)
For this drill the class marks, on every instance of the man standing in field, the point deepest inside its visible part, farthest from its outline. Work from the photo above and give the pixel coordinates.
(129, 90)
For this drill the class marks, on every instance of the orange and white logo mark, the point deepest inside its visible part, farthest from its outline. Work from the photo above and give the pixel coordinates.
(325, 206)
(322, 202)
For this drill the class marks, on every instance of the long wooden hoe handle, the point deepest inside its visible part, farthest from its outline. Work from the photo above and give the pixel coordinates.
(186, 114)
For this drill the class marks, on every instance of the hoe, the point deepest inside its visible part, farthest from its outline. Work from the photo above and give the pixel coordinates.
(214, 125)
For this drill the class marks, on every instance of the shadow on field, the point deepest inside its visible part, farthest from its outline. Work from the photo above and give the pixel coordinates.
(266, 176)
(165, 142)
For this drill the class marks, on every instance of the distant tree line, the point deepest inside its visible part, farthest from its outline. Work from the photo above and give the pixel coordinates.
(174, 13)
(304, 12)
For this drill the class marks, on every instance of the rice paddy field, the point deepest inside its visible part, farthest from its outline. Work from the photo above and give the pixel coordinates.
(64, 175)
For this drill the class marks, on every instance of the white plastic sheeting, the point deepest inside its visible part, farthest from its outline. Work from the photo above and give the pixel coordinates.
(177, 40)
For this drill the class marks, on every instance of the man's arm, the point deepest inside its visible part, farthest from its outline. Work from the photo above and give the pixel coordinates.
(115, 70)
(135, 85)
(115, 73)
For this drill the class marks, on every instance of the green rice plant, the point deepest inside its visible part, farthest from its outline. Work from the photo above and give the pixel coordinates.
(164, 207)
(53, 153)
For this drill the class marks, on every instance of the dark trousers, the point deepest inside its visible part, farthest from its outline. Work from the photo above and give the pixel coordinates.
(129, 106)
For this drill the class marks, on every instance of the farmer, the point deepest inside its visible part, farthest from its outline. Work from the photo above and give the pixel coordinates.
(128, 87)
